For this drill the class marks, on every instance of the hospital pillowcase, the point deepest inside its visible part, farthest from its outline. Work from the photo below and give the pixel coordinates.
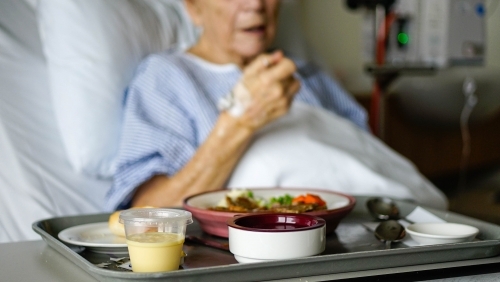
(92, 48)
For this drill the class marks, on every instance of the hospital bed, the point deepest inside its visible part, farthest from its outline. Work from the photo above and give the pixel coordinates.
(63, 67)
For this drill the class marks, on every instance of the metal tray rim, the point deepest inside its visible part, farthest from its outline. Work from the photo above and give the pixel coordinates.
(489, 245)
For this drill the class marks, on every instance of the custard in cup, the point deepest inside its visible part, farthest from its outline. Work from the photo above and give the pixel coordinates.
(155, 237)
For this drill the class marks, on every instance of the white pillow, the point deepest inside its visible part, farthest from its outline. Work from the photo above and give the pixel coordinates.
(92, 48)
(36, 180)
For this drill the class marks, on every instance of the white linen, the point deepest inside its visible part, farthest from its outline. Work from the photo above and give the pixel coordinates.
(92, 48)
(36, 181)
(314, 148)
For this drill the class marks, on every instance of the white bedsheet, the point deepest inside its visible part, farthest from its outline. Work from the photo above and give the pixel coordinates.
(311, 148)
(36, 180)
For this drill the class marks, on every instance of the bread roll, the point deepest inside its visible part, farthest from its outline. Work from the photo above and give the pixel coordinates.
(114, 224)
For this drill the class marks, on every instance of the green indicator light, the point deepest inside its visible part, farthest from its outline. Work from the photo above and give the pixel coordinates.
(403, 38)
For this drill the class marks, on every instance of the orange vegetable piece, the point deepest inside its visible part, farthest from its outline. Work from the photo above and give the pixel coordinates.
(309, 199)
(299, 199)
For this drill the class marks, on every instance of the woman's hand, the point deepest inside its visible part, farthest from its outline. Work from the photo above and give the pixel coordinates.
(271, 87)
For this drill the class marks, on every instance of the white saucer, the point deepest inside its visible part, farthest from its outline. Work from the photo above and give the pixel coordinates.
(441, 233)
(94, 236)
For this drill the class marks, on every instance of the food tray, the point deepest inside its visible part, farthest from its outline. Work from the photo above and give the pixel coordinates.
(351, 248)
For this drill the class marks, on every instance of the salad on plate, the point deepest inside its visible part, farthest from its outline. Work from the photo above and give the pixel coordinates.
(244, 200)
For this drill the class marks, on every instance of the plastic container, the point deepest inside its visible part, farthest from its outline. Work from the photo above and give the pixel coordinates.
(155, 237)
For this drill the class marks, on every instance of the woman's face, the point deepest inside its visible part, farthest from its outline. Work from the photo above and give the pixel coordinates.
(237, 29)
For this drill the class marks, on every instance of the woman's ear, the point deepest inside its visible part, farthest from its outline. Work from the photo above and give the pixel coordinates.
(193, 10)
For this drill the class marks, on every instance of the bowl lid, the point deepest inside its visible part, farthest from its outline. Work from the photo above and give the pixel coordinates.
(155, 216)
(276, 222)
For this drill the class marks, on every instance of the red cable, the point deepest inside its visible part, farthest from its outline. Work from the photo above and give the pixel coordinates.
(382, 36)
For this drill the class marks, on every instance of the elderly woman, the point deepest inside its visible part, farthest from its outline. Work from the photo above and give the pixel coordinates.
(191, 115)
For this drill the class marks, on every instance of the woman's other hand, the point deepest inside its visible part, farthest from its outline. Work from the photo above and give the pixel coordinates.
(271, 86)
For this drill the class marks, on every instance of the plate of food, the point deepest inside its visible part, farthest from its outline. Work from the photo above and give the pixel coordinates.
(96, 237)
(213, 209)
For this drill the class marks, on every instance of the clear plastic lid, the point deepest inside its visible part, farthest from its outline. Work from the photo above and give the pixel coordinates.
(155, 216)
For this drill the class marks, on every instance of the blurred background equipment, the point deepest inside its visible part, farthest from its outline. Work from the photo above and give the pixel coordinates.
(442, 33)
(431, 57)
(418, 37)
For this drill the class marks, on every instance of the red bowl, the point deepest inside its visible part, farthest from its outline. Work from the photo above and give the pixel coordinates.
(215, 222)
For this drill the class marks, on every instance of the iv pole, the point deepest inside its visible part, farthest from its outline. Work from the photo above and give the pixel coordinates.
(383, 72)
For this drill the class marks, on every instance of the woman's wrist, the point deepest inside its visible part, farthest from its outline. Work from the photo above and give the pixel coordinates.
(229, 126)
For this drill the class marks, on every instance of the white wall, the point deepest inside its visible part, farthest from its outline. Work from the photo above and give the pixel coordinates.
(336, 33)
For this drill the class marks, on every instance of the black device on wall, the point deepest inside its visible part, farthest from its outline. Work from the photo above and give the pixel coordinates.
(370, 4)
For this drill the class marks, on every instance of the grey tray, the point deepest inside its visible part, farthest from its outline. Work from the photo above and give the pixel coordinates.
(351, 248)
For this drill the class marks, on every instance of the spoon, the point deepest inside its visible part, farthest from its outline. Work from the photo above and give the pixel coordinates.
(383, 208)
(390, 231)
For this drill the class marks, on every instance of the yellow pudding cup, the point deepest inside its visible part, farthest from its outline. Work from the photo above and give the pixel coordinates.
(155, 238)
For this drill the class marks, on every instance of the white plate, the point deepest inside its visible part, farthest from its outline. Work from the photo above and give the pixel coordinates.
(95, 236)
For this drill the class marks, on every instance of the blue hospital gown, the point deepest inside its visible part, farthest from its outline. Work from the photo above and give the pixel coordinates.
(171, 107)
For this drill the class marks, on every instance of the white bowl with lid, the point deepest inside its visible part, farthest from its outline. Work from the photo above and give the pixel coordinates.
(274, 236)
